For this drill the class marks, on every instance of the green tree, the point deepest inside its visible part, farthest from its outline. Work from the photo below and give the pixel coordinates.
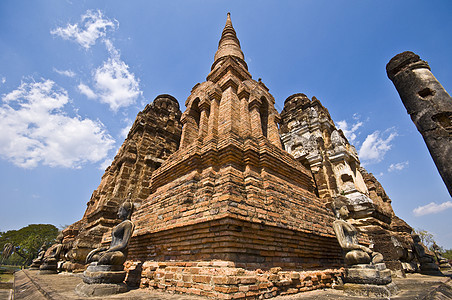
(448, 254)
(426, 237)
(27, 241)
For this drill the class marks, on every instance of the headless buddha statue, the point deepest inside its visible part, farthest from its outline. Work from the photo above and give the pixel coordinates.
(346, 235)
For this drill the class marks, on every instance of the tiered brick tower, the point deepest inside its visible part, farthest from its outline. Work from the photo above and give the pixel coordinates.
(230, 212)
(309, 134)
(152, 138)
(231, 192)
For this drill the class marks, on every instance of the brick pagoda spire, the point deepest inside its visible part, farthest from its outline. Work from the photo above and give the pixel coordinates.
(244, 106)
(230, 191)
(229, 45)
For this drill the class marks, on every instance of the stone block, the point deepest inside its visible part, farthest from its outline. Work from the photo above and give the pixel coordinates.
(104, 277)
(46, 272)
(371, 290)
(100, 289)
(368, 274)
(247, 279)
(430, 269)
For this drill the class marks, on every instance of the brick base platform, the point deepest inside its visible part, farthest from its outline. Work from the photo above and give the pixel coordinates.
(223, 280)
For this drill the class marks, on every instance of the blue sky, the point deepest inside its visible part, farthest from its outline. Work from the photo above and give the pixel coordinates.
(74, 74)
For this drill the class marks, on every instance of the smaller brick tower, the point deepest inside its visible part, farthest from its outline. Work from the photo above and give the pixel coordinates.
(154, 135)
(309, 134)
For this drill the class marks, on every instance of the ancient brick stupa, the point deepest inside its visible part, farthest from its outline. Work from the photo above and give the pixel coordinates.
(231, 213)
(230, 191)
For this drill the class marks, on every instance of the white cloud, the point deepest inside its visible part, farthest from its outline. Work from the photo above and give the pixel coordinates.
(93, 25)
(87, 91)
(350, 132)
(376, 145)
(398, 166)
(431, 208)
(115, 85)
(125, 130)
(68, 73)
(35, 129)
(3, 80)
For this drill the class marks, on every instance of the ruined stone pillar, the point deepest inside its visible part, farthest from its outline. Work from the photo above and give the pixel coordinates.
(429, 106)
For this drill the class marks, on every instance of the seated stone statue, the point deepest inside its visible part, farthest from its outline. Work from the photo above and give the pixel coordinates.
(408, 261)
(36, 263)
(424, 256)
(116, 254)
(438, 255)
(50, 261)
(364, 267)
(346, 235)
(105, 275)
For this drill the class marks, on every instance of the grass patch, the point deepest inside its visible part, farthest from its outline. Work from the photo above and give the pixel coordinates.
(6, 277)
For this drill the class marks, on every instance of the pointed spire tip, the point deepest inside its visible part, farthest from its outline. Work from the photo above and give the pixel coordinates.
(229, 44)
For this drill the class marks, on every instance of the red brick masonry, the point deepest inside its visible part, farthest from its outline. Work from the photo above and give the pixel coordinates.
(226, 280)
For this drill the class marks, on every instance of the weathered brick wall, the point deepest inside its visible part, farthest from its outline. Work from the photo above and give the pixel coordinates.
(380, 199)
(249, 245)
(154, 135)
(310, 135)
(260, 186)
(224, 280)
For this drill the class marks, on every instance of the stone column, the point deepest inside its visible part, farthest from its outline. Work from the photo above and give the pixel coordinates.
(429, 106)
(212, 129)
(245, 117)
(272, 130)
(204, 119)
(256, 126)
(189, 130)
(229, 113)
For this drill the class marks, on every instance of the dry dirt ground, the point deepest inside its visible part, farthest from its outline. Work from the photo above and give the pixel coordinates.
(30, 285)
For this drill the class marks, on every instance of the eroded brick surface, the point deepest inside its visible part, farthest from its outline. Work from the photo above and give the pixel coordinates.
(310, 135)
(154, 135)
(231, 282)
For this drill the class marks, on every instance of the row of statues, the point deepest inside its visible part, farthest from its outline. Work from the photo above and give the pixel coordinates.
(105, 273)
(365, 267)
(47, 260)
(355, 253)
(442, 261)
